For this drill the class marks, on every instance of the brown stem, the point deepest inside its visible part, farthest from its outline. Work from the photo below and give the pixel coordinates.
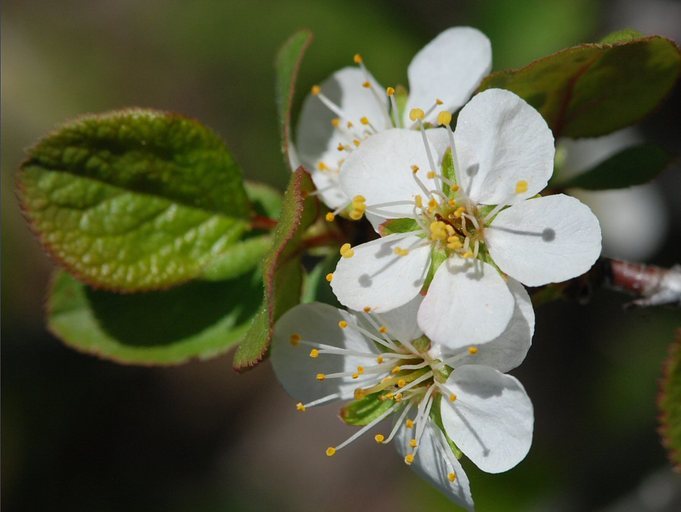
(650, 284)
(262, 222)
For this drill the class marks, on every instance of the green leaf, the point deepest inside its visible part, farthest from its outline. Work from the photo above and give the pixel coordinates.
(626, 34)
(594, 89)
(240, 258)
(632, 166)
(391, 226)
(282, 272)
(669, 403)
(364, 411)
(197, 320)
(133, 200)
(287, 66)
(316, 287)
(267, 201)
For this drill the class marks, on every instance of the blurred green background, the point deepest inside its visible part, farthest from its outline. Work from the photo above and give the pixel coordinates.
(81, 434)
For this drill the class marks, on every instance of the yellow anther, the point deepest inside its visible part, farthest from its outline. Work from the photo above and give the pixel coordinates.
(356, 142)
(413, 443)
(401, 383)
(379, 438)
(398, 397)
(444, 118)
(388, 396)
(330, 451)
(416, 114)
(521, 187)
(340, 147)
(452, 397)
(454, 243)
(342, 324)
(438, 230)
(414, 168)
(383, 329)
(452, 203)
(358, 199)
(472, 350)
(346, 251)
(364, 120)
(322, 166)
(329, 217)
(320, 377)
(400, 252)
(409, 459)
(439, 102)
(451, 476)
(467, 254)
(379, 359)
(357, 58)
(418, 201)
(390, 91)
(335, 122)
(360, 370)
(314, 353)
(454, 188)
(366, 85)
(409, 423)
(355, 375)
(300, 407)
(397, 369)
(295, 339)
(356, 213)
(433, 204)
(359, 393)
(315, 90)
(431, 175)
(367, 309)
(459, 212)
(349, 124)
(329, 277)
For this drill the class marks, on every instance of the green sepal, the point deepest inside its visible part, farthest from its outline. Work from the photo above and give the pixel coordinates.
(619, 36)
(448, 170)
(669, 403)
(437, 257)
(282, 270)
(594, 89)
(401, 100)
(133, 200)
(632, 166)
(392, 226)
(196, 320)
(364, 411)
(436, 416)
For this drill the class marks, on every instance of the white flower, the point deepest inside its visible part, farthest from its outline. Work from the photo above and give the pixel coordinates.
(475, 215)
(350, 105)
(321, 354)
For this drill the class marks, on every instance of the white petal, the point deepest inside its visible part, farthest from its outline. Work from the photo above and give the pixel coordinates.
(377, 277)
(435, 465)
(509, 349)
(467, 303)
(545, 240)
(501, 140)
(401, 322)
(292, 364)
(491, 420)
(317, 139)
(380, 170)
(449, 68)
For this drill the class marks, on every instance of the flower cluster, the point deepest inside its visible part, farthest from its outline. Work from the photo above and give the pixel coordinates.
(437, 310)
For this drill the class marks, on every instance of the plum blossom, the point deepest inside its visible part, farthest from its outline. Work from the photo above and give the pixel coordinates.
(461, 220)
(350, 105)
(443, 402)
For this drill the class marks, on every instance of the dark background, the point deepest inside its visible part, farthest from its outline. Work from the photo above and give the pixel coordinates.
(81, 434)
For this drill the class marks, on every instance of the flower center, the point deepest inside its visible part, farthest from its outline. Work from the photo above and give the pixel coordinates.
(401, 378)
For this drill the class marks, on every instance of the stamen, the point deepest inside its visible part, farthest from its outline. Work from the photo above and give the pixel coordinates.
(329, 217)
(472, 350)
(342, 324)
(319, 401)
(314, 353)
(379, 438)
(444, 118)
(317, 91)
(364, 429)
(329, 277)
(390, 91)
(521, 187)
(398, 423)
(346, 251)
(295, 339)
(320, 377)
